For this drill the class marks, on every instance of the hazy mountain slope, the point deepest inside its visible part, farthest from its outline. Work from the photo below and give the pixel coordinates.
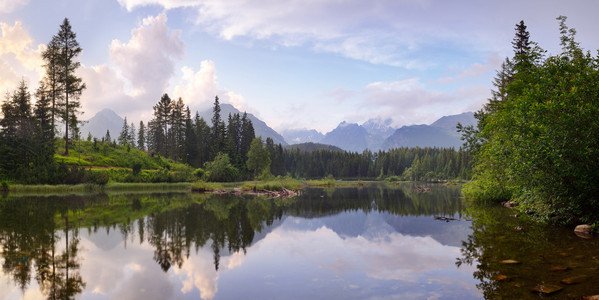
(298, 136)
(348, 136)
(449, 122)
(379, 127)
(260, 128)
(105, 119)
(441, 133)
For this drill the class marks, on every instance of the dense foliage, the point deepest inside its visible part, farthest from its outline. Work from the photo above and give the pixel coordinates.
(536, 141)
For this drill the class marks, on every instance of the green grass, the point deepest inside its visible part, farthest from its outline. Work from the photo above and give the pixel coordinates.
(117, 161)
(86, 188)
(84, 153)
(276, 184)
(203, 186)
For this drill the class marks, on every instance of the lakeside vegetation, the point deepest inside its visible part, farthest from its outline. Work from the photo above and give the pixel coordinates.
(536, 141)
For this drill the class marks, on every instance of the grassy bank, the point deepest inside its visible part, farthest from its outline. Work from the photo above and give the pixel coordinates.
(276, 184)
(86, 188)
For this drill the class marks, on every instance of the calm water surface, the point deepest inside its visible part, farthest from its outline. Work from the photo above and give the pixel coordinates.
(371, 242)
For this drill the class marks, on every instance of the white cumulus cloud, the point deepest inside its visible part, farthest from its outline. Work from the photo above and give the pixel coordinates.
(148, 59)
(198, 89)
(8, 6)
(19, 57)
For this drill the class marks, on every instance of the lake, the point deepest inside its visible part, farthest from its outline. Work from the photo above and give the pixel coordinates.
(377, 241)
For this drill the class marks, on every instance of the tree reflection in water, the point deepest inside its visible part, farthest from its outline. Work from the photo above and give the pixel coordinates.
(41, 234)
(541, 251)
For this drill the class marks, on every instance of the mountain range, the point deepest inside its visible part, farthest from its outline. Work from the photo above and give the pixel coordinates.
(374, 134)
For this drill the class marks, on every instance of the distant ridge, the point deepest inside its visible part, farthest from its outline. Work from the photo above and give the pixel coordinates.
(103, 120)
(298, 136)
(260, 128)
(441, 133)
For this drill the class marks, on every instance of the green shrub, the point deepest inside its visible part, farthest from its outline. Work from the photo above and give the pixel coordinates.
(136, 168)
(98, 177)
(4, 186)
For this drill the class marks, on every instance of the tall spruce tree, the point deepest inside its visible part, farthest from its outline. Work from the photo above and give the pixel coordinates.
(131, 135)
(191, 141)
(124, 136)
(160, 126)
(203, 135)
(177, 129)
(51, 83)
(141, 136)
(72, 86)
(218, 129)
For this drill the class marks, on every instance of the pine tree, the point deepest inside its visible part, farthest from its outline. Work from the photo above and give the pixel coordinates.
(247, 136)
(72, 85)
(51, 84)
(107, 137)
(131, 135)
(124, 136)
(43, 114)
(191, 141)
(160, 126)
(177, 129)
(203, 135)
(218, 129)
(141, 137)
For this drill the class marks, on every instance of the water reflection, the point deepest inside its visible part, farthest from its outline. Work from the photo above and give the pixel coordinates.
(357, 242)
(545, 256)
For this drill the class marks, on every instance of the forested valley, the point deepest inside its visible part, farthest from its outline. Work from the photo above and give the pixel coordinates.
(36, 142)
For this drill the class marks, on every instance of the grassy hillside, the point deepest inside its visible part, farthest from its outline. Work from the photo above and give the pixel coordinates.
(122, 163)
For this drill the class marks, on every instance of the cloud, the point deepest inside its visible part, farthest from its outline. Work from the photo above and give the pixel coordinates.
(106, 89)
(198, 89)
(148, 59)
(8, 6)
(379, 32)
(406, 102)
(410, 102)
(475, 70)
(19, 57)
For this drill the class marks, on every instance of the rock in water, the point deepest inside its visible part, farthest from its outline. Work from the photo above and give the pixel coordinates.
(547, 289)
(500, 277)
(574, 279)
(584, 231)
(594, 297)
(509, 262)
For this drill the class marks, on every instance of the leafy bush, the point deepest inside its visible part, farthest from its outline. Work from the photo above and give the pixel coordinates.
(98, 177)
(221, 169)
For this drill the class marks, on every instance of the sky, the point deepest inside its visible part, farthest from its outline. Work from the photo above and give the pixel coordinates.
(293, 63)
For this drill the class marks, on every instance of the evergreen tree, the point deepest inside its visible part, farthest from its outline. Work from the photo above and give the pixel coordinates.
(247, 136)
(43, 114)
(51, 84)
(131, 135)
(191, 140)
(203, 135)
(141, 136)
(72, 86)
(177, 129)
(107, 137)
(218, 129)
(160, 126)
(124, 136)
